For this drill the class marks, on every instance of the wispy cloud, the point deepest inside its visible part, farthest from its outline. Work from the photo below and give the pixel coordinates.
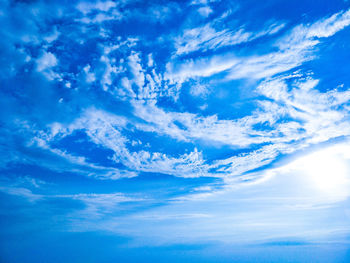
(295, 48)
(252, 213)
(208, 38)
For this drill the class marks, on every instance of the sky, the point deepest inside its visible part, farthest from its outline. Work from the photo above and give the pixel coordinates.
(174, 131)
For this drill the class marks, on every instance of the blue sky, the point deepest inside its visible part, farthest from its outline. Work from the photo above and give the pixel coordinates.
(175, 131)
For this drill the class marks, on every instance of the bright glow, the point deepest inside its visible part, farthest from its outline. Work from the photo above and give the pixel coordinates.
(327, 170)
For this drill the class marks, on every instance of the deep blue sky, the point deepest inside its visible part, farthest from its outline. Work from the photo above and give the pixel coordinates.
(175, 131)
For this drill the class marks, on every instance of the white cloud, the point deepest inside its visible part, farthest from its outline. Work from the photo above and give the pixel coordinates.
(53, 36)
(150, 62)
(80, 164)
(144, 83)
(98, 12)
(110, 71)
(312, 116)
(134, 63)
(99, 204)
(205, 11)
(90, 77)
(46, 61)
(208, 38)
(186, 165)
(162, 12)
(310, 33)
(105, 130)
(232, 132)
(22, 192)
(295, 48)
(87, 7)
(253, 67)
(315, 116)
(203, 67)
(288, 204)
(101, 17)
(102, 128)
(200, 90)
(321, 114)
